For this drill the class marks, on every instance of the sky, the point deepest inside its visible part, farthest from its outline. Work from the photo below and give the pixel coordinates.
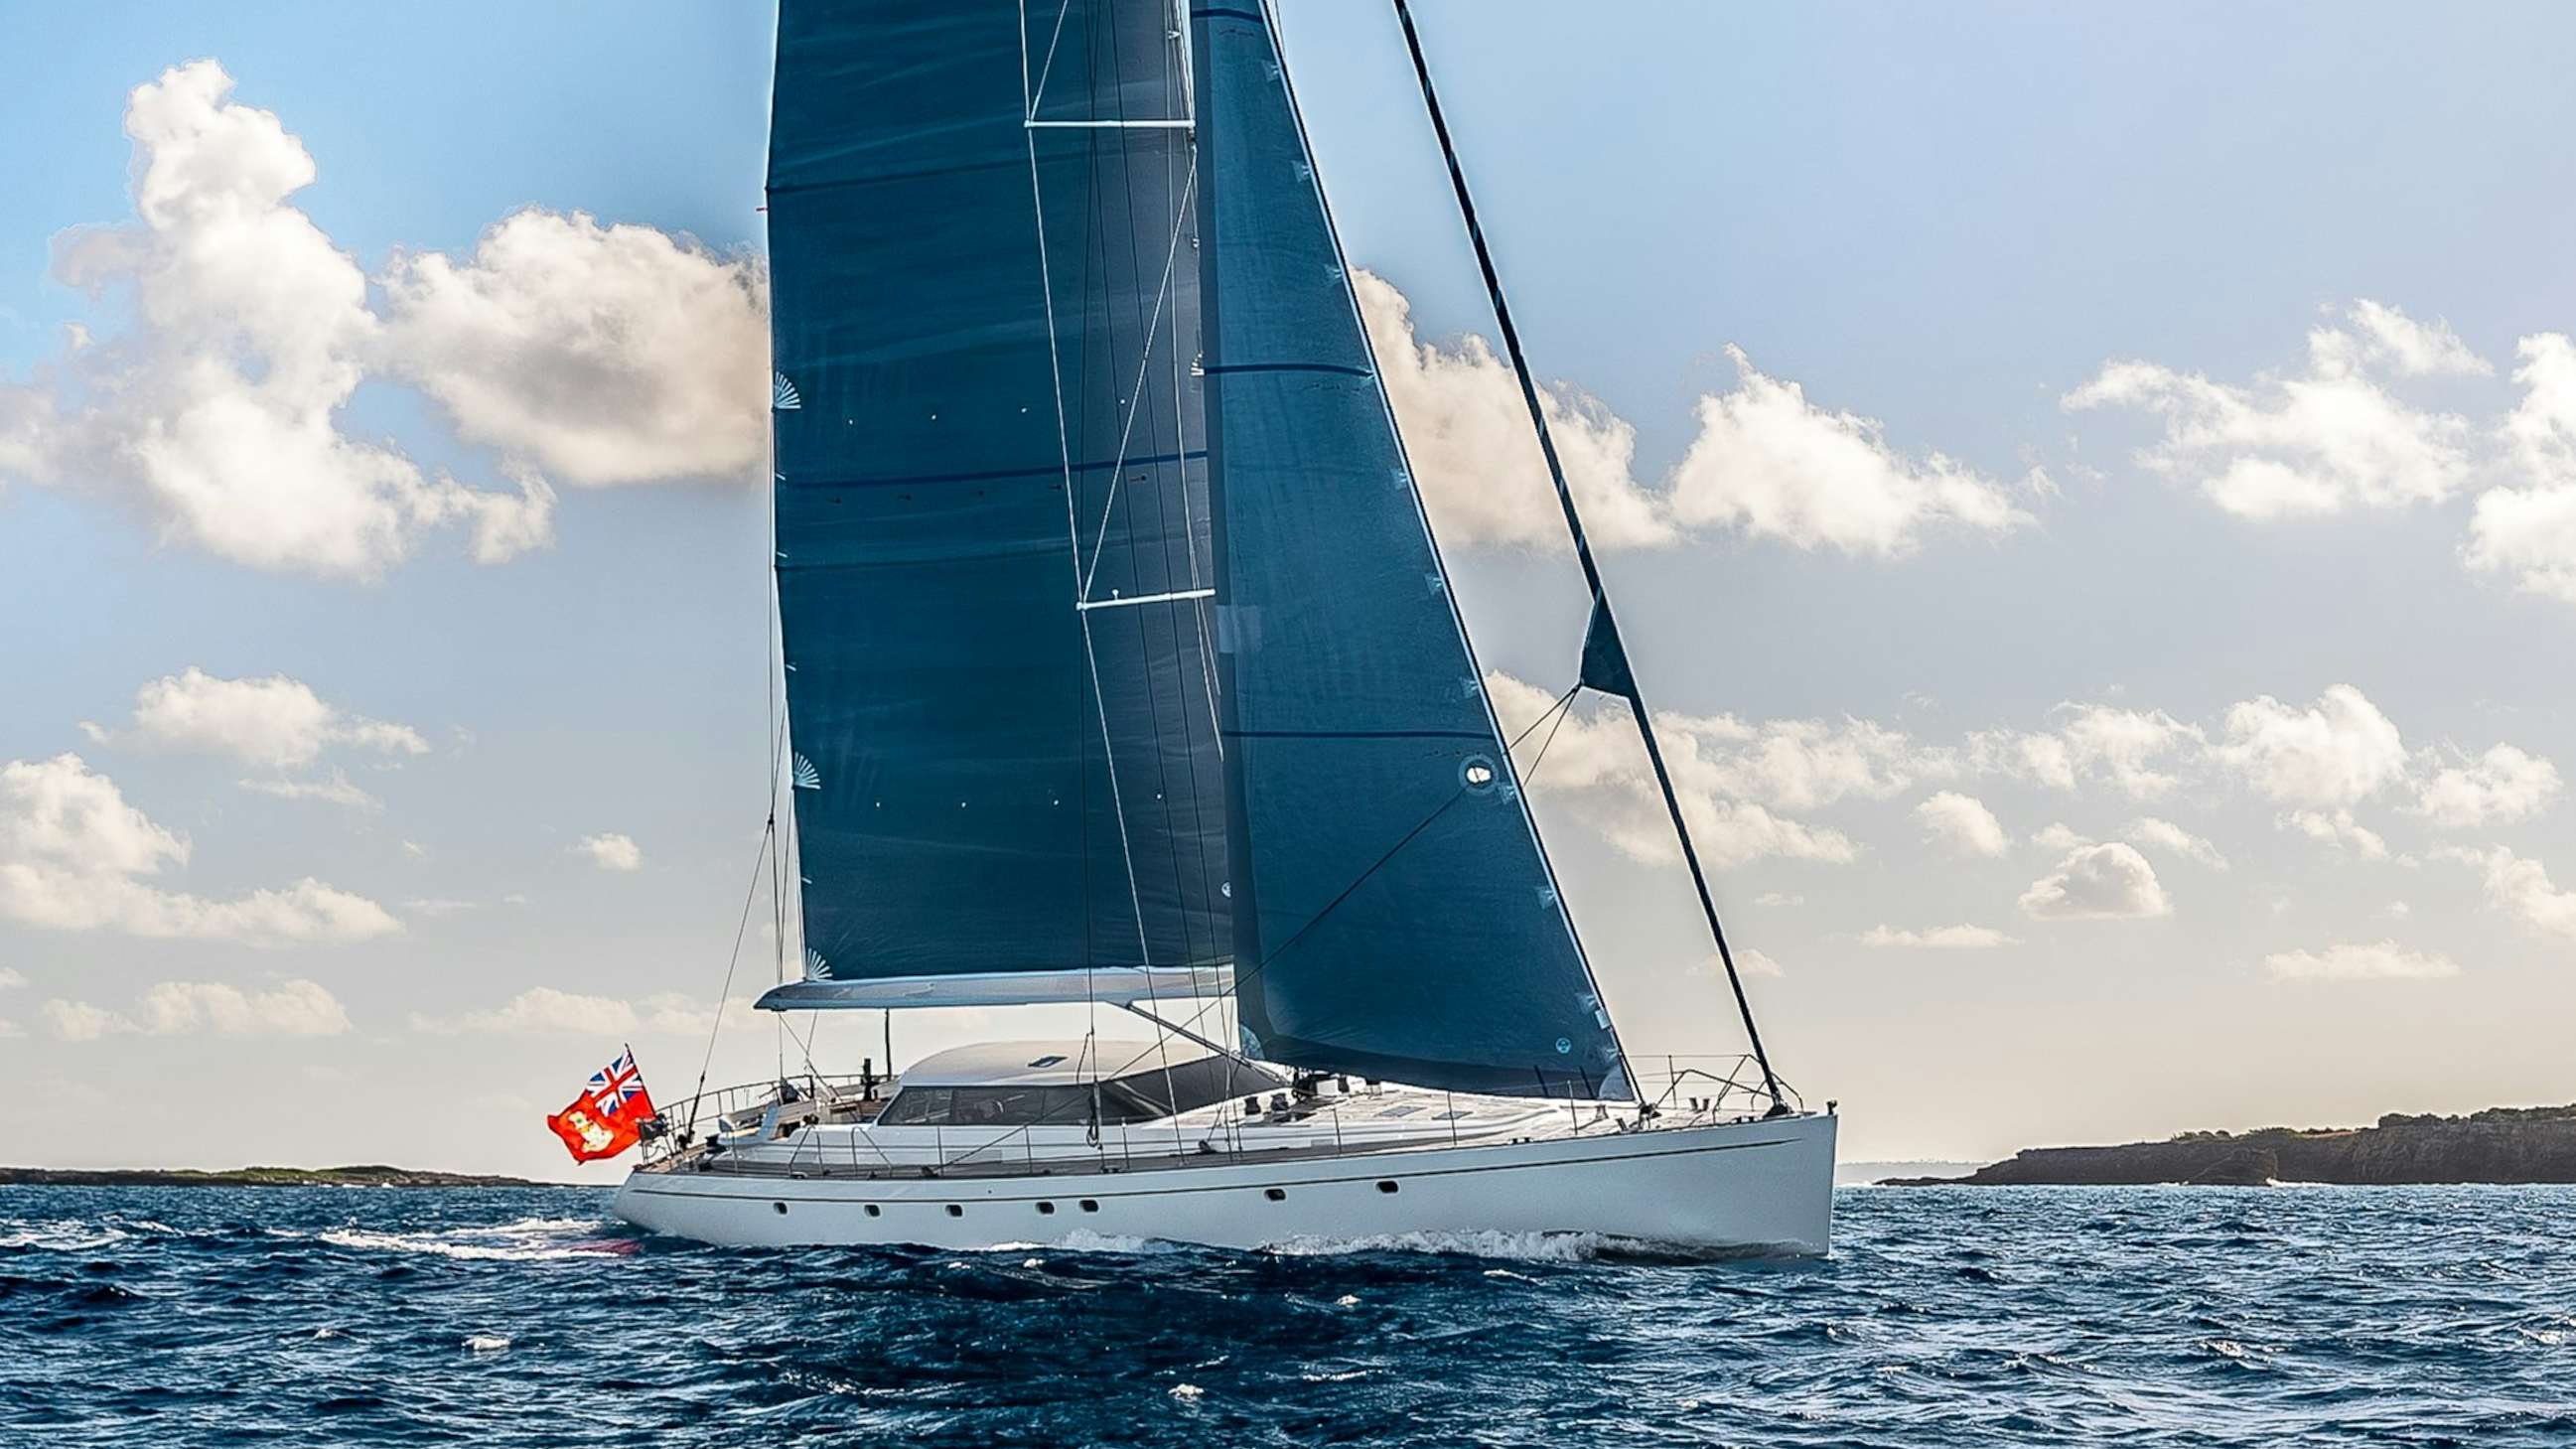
(2091, 495)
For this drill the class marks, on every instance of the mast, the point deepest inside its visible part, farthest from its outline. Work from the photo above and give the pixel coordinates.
(1605, 665)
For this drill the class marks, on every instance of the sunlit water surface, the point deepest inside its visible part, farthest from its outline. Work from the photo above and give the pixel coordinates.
(1948, 1317)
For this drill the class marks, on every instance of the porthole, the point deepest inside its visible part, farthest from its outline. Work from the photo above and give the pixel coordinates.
(782, 1208)
(1275, 1194)
(874, 1211)
(1047, 1208)
(1385, 1185)
(955, 1211)
(1090, 1206)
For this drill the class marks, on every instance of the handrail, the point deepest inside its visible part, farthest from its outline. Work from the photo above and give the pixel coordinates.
(1711, 1087)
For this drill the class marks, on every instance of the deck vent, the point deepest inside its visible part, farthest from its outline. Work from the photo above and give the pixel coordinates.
(1051, 1059)
(1386, 1185)
(1275, 1194)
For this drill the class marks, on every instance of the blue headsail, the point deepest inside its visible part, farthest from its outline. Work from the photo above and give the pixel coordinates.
(1393, 911)
(992, 548)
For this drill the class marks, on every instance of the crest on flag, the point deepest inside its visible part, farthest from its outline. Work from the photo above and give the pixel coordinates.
(609, 1115)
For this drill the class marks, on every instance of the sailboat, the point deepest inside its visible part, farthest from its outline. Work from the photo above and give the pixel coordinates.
(1121, 668)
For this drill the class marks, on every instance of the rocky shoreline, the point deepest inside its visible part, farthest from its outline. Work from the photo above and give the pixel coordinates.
(2503, 1145)
(372, 1175)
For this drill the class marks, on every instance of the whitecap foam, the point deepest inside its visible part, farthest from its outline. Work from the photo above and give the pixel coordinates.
(60, 1237)
(486, 1343)
(525, 1240)
(1186, 1392)
(1519, 1247)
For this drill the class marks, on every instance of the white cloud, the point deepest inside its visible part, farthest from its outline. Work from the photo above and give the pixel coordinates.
(2529, 530)
(2503, 785)
(75, 857)
(2405, 346)
(1771, 463)
(2338, 828)
(1779, 898)
(2335, 752)
(2323, 442)
(609, 354)
(2093, 882)
(545, 1011)
(2382, 961)
(612, 851)
(1755, 963)
(10, 1029)
(1962, 824)
(1938, 938)
(333, 789)
(291, 1008)
(599, 354)
(2057, 836)
(217, 413)
(1803, 764)
(10, 980)
(2125, 747)
(2522, 888)
(188, 1008)
(80, 1021)
(1468, 435)
(2167, 836)
(272, 721)
(1594, 764)
(1765, 460)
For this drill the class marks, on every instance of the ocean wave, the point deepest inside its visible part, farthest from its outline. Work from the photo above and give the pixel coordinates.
(525, 1240)
(2221, 1318)
(1514, 1247)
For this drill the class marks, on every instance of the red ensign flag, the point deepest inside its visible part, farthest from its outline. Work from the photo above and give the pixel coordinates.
(608, 1116)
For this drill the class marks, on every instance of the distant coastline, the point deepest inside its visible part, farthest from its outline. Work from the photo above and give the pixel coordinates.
(2501, 1145)
(372, 1175)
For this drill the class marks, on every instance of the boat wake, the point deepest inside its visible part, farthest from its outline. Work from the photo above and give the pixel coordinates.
(524, 1241)
(1568, 1247)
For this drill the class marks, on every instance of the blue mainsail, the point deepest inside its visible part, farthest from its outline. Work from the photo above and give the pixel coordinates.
(1117, 646)
(991, 501)
(1393, 911)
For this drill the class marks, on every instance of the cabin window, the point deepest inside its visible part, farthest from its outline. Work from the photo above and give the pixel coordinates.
(1067, 1105)
(1275, 1194)
(1385, 1185)
(1046, 1208)
(782, 1208)
(1189, 1086)
(1090, 1206)
(955, 1211)
(875, 1211)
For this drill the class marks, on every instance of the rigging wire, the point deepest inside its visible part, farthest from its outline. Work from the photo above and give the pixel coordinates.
(725, 994)
(1602, 619)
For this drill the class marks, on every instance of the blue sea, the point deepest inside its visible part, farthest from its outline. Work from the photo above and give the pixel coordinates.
(1949, 1317)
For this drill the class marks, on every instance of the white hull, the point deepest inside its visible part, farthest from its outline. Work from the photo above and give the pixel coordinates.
(1752, 1187)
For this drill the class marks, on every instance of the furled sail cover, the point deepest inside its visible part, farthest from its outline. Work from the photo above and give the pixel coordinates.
(984, 303)
(1393, 912)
